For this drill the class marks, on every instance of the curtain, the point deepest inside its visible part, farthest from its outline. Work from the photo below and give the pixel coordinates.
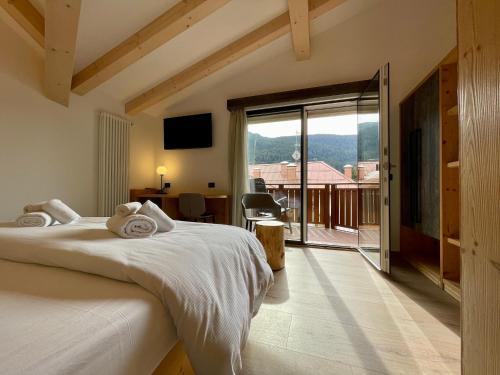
(238, 162)
(113, 184)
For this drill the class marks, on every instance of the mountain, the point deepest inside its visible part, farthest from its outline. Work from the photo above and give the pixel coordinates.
(335, 150)
(368, 141)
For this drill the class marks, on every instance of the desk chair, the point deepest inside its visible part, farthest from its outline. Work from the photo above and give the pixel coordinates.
(192, 207)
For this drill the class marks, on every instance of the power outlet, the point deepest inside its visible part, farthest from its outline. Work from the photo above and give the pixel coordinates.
(211, 185)
(167, 185)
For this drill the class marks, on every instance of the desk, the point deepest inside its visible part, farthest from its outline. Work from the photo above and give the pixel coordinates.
(218, 204)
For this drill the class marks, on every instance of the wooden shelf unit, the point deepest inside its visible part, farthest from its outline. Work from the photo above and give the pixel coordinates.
(433, 117)
(449, 180)
(453, 241)
(453, 288)
(453, 111)
(427, 265)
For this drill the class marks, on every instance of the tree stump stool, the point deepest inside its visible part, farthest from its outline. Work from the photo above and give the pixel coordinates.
(271, 235)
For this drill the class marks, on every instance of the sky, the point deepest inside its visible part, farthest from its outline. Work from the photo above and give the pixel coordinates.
(340, 124)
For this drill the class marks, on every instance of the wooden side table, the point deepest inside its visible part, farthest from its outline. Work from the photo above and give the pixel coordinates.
(271, 235)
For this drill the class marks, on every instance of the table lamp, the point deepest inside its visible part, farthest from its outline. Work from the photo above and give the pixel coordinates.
(161, 170)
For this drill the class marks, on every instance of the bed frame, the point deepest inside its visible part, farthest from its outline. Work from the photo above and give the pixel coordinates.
(176, 362)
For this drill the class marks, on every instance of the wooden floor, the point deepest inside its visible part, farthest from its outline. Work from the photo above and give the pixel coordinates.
(369, 236)
(330, 312)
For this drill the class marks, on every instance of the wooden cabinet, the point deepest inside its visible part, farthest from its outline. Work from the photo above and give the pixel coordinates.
(479, 122)
(218, 204)
(429, 177)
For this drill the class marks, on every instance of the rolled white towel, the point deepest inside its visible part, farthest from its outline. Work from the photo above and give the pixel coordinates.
(165, 223)
(128, 208)
(34, 219)
(34, 207)
(132, 226)
(60, 211)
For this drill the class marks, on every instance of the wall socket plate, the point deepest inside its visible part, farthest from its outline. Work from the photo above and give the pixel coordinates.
(211, 185)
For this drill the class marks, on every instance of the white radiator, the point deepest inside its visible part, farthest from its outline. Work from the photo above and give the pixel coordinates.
(113, 187)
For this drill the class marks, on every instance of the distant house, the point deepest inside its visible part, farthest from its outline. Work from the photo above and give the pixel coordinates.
(368, 172)
(286, 173)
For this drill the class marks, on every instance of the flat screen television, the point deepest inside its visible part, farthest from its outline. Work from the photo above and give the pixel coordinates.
(187, 132)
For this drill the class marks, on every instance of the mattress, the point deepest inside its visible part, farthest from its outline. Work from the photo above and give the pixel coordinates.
(57, 321)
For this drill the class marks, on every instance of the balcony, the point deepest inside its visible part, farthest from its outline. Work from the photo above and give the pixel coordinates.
(336, 213)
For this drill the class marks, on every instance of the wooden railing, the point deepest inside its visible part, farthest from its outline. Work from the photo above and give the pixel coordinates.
(332, 205)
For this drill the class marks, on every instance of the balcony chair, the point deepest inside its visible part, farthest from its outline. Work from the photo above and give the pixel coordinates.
(258, 185)
(192, 207)
(258, 207)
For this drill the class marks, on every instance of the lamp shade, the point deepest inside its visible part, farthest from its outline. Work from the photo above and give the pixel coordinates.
(161, 170)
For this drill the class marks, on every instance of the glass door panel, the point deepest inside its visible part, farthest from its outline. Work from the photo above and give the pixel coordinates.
(373, 181)
(274, 164)
(331, 188)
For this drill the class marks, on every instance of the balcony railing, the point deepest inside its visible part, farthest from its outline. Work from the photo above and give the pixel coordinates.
(333, 205)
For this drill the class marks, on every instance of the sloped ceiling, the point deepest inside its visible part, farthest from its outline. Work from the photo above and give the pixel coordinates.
(103, 24)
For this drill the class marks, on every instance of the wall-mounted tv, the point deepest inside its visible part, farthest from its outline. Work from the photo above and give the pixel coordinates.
(187, 132)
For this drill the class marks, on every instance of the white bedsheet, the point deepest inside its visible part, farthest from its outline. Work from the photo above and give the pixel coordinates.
(56, 321)
(211, 278)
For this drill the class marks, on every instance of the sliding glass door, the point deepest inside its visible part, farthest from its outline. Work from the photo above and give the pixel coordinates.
(327, 166)
(274, 163)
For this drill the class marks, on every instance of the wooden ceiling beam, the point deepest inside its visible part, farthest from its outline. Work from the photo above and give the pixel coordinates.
(174, 21)
(61, 27)
(28, 17)
(252, 41)
(299, 22)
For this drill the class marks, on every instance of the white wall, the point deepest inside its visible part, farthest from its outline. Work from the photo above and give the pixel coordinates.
(413, 36)
(143, 144)
(191, 170)
(47, 150)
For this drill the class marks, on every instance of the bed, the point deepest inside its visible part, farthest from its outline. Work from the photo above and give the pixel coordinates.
(73, 301)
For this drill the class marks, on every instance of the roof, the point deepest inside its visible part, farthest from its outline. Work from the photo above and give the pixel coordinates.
(289, 173)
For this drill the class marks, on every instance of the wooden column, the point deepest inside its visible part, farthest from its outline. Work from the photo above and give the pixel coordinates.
(325, 206)
(271, 235)
(479, 123)
(334, 199)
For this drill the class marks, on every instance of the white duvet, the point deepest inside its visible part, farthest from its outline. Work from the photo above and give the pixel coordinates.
(211, 278)
(55, 321)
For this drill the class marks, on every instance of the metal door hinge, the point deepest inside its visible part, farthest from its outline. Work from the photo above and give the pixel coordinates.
(387, 166)
(386, 201)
